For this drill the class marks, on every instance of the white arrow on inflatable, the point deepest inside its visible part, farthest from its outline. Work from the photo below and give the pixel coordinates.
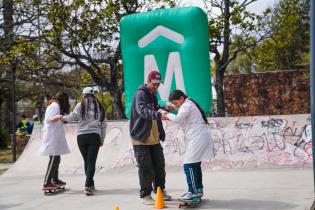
(160, 31)
(173, 68)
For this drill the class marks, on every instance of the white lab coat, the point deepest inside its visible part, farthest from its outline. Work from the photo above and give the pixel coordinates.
(54, 140)
(199, 146)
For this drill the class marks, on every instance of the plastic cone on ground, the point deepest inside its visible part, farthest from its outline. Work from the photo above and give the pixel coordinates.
(116, 208)
(159, 200)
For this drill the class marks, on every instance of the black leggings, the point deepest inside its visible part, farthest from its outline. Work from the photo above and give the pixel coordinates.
(52, 169)
(89, 145)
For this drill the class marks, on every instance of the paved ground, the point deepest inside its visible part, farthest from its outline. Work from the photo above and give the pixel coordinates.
(5, 165)
(231, 190)
(234, 189)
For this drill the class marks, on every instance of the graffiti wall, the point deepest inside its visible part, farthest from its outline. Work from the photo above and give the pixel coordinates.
(243, 142)
(240, 142)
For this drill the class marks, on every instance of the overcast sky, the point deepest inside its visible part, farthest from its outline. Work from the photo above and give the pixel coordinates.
(256, 7)
(261, 5)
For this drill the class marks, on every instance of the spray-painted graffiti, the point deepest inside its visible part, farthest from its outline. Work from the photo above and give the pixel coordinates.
(263, 141)
(243, 142)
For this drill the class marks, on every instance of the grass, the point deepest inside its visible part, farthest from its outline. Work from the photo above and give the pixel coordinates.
(2, 171)
(6, 155)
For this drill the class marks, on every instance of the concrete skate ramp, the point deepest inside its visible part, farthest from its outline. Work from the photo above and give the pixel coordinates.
(31, 163)
(268, 160)
(244, 142)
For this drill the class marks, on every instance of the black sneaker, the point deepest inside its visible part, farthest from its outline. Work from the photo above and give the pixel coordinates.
(88, 191)
(60, 183)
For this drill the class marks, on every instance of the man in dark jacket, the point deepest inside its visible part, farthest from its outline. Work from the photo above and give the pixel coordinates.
(146, 131)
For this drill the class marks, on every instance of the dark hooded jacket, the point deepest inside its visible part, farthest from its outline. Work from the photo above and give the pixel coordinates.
(144, 109)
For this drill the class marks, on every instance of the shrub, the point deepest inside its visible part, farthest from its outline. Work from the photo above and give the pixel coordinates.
(4, 138)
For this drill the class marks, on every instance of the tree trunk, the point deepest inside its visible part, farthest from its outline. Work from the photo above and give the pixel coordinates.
(8, 22)
(220, 93)
(40, 107)
(1, 113)
(8, 40)
(119, 105)
(222, 60)
(118, 108)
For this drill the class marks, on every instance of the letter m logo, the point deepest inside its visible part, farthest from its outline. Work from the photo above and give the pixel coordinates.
(174, 67)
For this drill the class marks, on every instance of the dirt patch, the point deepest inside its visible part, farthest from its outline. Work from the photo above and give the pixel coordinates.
(2, 171)
(6, 155)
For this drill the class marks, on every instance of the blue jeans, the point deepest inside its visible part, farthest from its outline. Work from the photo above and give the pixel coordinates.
(194, 177)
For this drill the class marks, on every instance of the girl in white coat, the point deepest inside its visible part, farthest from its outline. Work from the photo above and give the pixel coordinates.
(54, 141)
(198, 140)
(91, 132)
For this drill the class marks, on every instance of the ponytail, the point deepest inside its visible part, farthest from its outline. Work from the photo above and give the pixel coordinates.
(203, 114)
(86, 102)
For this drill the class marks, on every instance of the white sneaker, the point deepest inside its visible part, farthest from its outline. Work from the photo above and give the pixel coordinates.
(188, 196)
(147, 200)
(166, 196)
(200, 192)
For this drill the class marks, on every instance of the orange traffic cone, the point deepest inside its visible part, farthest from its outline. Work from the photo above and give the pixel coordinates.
(116, 208)
(159, 200)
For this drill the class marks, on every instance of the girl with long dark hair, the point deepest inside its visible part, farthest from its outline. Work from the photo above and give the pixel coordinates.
(198, 141)
(54, 141)
(91, 132)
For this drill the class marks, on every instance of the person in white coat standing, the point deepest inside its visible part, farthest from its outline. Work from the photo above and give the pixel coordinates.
(198, 141)
(54, 141)
(91, 132)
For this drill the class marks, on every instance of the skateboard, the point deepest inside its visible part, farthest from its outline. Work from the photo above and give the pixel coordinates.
(189, 204)
(54, 191)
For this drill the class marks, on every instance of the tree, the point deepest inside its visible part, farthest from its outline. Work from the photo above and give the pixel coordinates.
(236, 29)
(19, 49)
(86, 33)
(242, 64)
(20, 56)
(288, 47)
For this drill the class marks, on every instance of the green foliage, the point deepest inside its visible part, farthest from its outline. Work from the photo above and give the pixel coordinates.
(304, 77)
(6, 156)
(106, 100)
(4, 138)
(235, 29)
(288, 48)
(242, 64)
(87, 33)
(85, 23)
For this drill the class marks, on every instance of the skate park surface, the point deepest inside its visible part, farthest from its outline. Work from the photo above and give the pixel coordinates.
(261, 162)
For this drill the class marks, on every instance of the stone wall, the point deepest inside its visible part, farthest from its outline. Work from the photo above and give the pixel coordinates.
(271, 93)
